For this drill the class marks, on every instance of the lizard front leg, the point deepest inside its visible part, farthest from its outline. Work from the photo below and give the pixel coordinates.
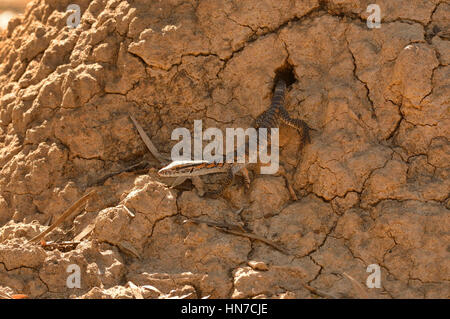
(244, 173)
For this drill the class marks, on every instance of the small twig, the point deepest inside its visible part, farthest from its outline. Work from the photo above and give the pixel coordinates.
(260, 238)
(319, 292)
(64, 216)
(151, 147)
(239, 231)
(126, 169)
(357, 285)
(61, 246)
(49, 221)
(86, 231)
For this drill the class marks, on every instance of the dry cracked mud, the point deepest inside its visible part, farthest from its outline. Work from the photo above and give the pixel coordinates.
(372, 187)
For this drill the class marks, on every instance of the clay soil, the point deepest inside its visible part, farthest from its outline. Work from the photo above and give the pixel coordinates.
(371, 188)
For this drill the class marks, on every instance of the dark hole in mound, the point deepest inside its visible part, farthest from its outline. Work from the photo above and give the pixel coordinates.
(286, 73)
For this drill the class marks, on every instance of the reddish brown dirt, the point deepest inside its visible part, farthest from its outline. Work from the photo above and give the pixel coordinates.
(9, 9)
(373, 185)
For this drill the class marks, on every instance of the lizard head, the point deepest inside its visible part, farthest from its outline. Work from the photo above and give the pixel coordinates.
(182, 168)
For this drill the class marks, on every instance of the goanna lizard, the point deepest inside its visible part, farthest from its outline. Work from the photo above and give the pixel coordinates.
(268, 119)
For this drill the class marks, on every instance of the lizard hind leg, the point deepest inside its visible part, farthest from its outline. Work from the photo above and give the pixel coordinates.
(227, 182)
(244, 179)
(244, 173)
(301, 126)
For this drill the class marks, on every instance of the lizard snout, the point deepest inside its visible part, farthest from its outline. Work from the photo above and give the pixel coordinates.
(163, 172)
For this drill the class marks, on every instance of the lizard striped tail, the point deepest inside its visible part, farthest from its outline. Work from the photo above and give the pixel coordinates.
(269, 118)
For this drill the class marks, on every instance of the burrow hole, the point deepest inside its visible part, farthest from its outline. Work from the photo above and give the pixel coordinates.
(286, 73)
